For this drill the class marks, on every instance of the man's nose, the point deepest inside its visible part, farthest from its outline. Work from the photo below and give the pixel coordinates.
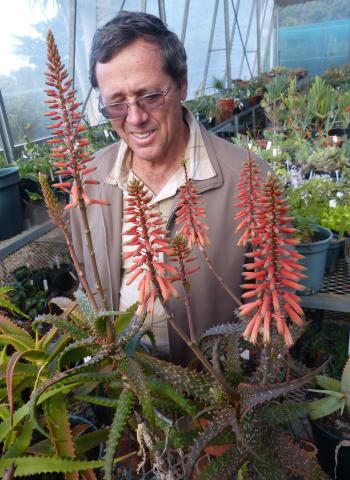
(136, 115)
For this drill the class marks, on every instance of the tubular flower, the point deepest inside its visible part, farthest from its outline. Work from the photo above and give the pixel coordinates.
(54, 207)
(274, 271)
(190, 213)
(249, 187)
(181, 254)
(68, 147)
(148, 237)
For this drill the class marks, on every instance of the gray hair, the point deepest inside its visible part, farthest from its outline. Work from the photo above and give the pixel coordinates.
(127, 27)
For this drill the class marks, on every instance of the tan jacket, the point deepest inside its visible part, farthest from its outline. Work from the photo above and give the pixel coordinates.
(211, 304)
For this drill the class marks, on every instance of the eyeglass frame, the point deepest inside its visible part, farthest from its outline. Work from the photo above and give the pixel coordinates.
(101, 106)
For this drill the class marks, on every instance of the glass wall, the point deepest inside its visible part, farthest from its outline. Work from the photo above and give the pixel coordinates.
(23, 27)
(315, 35)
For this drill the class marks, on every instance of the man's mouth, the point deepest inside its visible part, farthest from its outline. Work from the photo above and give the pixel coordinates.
(142, 135)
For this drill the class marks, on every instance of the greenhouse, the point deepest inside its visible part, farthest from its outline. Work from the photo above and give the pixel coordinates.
(175, 239)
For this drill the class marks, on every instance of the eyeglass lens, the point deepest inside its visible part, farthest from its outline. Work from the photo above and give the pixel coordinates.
(147, 103)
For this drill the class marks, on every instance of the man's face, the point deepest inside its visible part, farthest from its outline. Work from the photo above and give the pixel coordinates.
(135, 71)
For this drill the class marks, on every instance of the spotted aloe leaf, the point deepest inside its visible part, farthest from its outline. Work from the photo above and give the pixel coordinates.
(254, 395)
(283, 413)
(135, 341)
(135, 376)
(85, 306)
(223, 467)
(125, 403)
(221, 420)
(163, 389)
(77, 351)
(297, 461)
(224, 329)
(196, 384)
(101, 401)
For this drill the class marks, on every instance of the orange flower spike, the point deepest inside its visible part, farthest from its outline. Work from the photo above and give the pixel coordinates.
(190, 213)
(145, 233)
(249, 188)
(275, 269)
(67, 130)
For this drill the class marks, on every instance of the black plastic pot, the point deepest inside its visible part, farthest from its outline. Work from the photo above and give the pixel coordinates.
(11, 220)
(326, 443)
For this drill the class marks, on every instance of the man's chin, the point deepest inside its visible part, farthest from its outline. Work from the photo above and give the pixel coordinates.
(146, 154)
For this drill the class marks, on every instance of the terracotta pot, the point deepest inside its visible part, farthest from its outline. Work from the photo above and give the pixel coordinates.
(262, 142)
(225, 108)
(254, 100)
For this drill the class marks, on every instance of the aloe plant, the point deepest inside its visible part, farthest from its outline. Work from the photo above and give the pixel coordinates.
(96, 356)
(337, 395)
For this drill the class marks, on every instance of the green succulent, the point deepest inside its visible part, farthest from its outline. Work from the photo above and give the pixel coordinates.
(337, 395)
(336, 218)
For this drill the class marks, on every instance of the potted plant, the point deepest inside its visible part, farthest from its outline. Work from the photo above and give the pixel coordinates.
(337, 218)
(273, 101)
(330, 420)
(34, 159)
(322, 105)
(225, 102)
(306, 202)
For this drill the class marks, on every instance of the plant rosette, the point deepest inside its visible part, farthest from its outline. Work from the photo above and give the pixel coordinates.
(330, 417)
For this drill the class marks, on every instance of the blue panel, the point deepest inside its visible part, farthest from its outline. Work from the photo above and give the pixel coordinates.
(315, 47)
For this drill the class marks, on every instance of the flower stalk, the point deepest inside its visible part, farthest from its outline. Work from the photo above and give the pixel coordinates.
(190, 214)
(57, 215)
(148, 238)
(181, 255)
(68, 152)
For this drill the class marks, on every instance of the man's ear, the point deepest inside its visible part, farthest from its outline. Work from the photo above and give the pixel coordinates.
(183, 88)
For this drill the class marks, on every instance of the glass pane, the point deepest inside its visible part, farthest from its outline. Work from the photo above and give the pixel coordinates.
(23, 61)
(315, 35)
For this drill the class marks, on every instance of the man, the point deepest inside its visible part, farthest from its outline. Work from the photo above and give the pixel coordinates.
(139, 68)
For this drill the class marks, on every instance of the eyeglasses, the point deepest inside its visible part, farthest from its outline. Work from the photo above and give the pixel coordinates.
(149, 102)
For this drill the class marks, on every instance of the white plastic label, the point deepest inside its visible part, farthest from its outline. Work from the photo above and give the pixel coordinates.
(245, 355)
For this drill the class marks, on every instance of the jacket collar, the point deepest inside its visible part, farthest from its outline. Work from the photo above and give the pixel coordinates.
(218, 180)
